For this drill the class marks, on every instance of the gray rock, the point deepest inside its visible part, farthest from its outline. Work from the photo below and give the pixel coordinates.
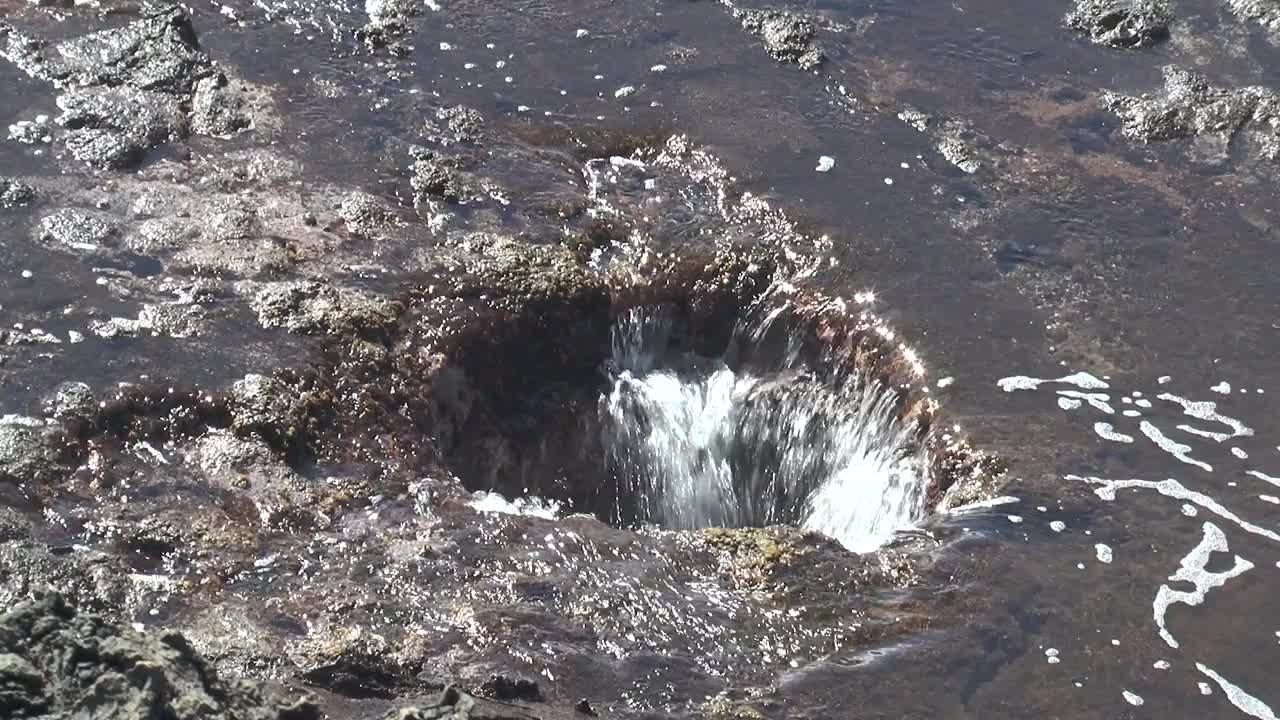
(25, 452)
(218, 110)
(1264, 12)
(14, 193)
(112, 128)
(70, 399)
(75, 229)
(1122, 23)
(310, 306)
(787, 36)
(158, 52)
(261, 403)
(1190, 106)
(365, 214)
(59, 663)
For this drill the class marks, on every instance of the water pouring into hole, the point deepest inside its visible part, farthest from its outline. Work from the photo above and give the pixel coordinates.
(758, 437)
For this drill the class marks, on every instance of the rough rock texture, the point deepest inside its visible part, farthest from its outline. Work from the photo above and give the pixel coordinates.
(1190, 106)
(466, 124)
(74, 229)
(434, 176)
(312, 306)
(55, 662)
(126, 90)
(1122, 23)
(1264, 12)
(25, 450)
(15, 192)
(788, 37)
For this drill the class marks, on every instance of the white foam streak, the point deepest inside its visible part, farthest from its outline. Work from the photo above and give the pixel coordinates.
(1173, 447)
(1173, 489)
(1194, 569)
(1243, 701)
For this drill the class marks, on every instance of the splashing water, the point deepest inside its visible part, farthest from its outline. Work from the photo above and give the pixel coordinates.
(701, 443)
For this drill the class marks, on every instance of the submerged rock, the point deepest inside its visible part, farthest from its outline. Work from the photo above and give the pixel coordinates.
(1190, 106)
(55, 662)
(1122, 23)
(788, 37)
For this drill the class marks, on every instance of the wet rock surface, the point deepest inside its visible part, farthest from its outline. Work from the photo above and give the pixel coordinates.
(789, 37)
(125, 91)
(56, 662)
(1122, 23)
(1190, 106)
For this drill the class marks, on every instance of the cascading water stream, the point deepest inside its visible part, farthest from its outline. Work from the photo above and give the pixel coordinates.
(696, 442)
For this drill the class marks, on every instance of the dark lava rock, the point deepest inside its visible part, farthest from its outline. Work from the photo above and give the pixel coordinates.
(1122, 23)
(787, 36)
(1190, 106)
(55, 662)
(453, 704)
(14, 193)
(74, 229)
(311, 306)
(502, 687)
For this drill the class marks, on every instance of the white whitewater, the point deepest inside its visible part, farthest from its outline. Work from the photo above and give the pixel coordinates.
(697, 444)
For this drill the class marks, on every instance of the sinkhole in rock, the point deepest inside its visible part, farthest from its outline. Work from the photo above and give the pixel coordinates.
(790, 409)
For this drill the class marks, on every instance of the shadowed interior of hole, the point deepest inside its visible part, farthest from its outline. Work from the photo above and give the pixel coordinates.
(771, 415)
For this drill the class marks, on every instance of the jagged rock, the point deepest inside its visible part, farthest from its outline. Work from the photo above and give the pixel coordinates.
(129, 89)
(14, 193)
(55, 662)
(1190, 106)
(310, 306)
(113, 127)
(787, 36)
(1122, 23)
